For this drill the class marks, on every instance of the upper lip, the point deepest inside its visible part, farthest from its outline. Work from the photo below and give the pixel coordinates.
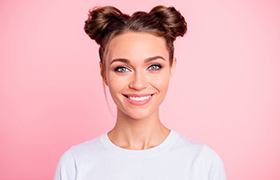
(138, 95)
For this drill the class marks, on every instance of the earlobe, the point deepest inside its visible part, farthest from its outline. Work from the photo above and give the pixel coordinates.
(102, 73)
(173, 67)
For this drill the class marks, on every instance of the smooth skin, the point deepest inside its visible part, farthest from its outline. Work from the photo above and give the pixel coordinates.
(137, 63)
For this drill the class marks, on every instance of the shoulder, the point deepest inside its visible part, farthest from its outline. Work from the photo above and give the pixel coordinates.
(85, 150)
(77, 156)
(92, 145)
(208, 157)
(187, 146)
(209, 161)
(201, 150)
(203, 158)
(78, 153)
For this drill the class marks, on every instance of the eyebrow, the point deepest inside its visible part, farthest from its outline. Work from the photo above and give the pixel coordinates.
(146, 60)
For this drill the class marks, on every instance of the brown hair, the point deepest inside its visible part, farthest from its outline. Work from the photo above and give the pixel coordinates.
(106, 22)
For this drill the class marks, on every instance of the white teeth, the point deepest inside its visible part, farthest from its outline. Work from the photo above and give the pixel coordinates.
(139, 98)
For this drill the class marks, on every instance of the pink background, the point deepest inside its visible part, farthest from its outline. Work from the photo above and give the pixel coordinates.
(225, 92)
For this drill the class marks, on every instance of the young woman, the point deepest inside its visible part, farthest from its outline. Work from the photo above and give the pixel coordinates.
(136, 63)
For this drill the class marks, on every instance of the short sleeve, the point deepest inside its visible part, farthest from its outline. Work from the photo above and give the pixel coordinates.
(66, 167)
(215, 164)
(207, 165)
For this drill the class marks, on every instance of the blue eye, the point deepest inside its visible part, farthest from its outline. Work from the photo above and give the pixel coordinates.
(155, 67)
(121, 69)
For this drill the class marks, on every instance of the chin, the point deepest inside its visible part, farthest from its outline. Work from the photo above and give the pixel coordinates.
(137, 114)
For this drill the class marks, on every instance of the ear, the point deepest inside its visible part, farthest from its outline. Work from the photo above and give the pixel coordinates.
(173, 66)
(102, 72)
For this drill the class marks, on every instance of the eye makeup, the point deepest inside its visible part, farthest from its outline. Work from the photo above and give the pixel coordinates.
(155, 67)
(121, 69)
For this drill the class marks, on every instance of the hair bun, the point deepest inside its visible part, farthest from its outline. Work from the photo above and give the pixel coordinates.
(173, 22)
(100, 21)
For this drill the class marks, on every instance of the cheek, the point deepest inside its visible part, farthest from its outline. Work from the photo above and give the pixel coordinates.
(161, 81)
(116, 83)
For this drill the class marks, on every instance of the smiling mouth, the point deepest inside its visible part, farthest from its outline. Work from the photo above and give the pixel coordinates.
(137, 99)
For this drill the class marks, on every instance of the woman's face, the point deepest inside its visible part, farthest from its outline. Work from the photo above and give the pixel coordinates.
(137, 72)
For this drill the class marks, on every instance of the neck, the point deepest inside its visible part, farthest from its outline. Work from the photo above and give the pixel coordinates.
(138, 134)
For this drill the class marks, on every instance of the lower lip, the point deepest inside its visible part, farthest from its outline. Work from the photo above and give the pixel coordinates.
(139, 103)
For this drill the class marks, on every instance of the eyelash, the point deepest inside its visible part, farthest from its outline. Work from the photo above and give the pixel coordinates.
(158, 66)
(119, 67)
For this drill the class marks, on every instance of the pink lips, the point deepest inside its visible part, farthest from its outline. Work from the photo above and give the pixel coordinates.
(138, 99)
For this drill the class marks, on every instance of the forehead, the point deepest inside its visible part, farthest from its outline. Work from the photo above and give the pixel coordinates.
(136, 46)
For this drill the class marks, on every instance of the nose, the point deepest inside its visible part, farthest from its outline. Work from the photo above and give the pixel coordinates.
(138, 81)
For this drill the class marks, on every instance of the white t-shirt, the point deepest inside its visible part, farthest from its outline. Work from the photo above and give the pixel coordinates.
(176, 158)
